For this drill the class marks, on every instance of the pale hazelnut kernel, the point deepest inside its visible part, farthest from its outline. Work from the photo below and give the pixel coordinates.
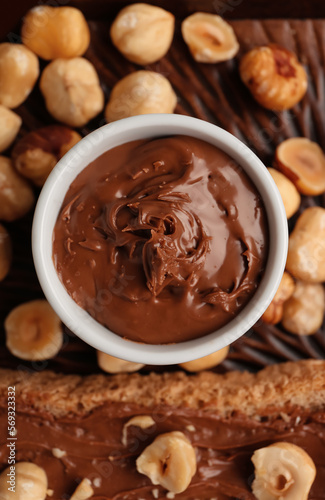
(306, 253)
(140, 93)
(169, 461)
(289, 194)
(33, 331)
(303, 313)
(142, 421)
(210, 39)
(110, 364)
(83, 491)
(274, 76)
(16, 195)
(10, 124)
(19, 70)
(54, 32)
(5, 252)
(30, 483)
(302, 161)
(283, 471)
(37, 153)
(206, 362)
(143, 33)
(72, 91)
(274, 312)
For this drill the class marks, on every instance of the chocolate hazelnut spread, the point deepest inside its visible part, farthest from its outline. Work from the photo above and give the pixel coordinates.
(161, 240)
(94, 450)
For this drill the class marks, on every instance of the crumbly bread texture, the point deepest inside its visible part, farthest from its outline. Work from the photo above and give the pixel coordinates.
(276, 389)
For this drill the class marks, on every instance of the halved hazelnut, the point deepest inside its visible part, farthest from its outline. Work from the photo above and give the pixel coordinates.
(36, 154)
(143, 32)
(302, 161)
(10, 124)
(209, 38)
(289, 194)
(19, 70)
(206, 362)
(72, 91)
(274, 76)
(140, 93)
(53, 32)
(5, 252)
(142, 421)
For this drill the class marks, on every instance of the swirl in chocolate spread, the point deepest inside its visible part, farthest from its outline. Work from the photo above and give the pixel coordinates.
(161, 240)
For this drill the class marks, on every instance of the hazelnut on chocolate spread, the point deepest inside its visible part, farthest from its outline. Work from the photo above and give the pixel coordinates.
(161, 240)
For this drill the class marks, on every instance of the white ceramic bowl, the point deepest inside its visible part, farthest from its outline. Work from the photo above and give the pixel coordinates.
(115, 134)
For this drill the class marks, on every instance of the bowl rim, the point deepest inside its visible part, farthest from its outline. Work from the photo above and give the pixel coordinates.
(87, 150)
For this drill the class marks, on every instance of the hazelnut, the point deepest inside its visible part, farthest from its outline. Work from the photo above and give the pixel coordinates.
(16, 195)
(72, 91)
(54, 32)
(19, 70)
(33, 331)
(140, 93)
(302, 161)
(303, 313)
(306, 252)
(169, 461)
(274, 76)
(206, 362)
(283, 471)
(30, 482)
(10, 124)
(209, 38)
(274, 312)
(36, 154)
(142, 421)
(289, 194)
(143, 32)
(5, 252)
(83, 491)
(110, 364)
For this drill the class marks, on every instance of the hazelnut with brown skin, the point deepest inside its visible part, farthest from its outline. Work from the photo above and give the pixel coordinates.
(274, 76)
(72, 91)
(5, 252)
(274, 312)
(19, 70)
(36, 154)
(53, 32)
(16, 195)
(302, 161)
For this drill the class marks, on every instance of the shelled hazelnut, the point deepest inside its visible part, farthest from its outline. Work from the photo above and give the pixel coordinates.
(140, 93)
(210, 39)
(37, 153)
(54, 32)
(306, 252)
(110, 364)
(5, 252)
(16, 195)
(206, 362)
(274, 312)
(33, 331)
(283, 471)
(274, 76)
(143, 33)
(289, 194)
(302, 161)
(10, 124)
(72, 91)
(19, 70)
(30, 482)
(303, 313)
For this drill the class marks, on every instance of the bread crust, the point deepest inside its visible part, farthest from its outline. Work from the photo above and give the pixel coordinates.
(275, 389)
